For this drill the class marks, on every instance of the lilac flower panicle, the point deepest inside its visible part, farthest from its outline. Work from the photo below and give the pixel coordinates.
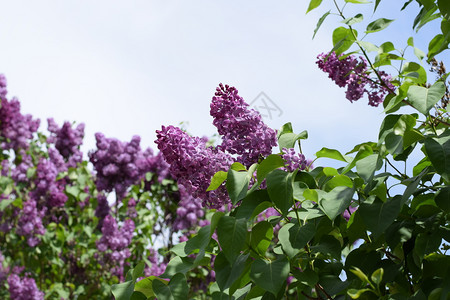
(242, 129)
(24, 288)
(19, 172)
(157, 267)
(119, 164)
(351, 72)
(47, 186)
(3, 85)
(67, 141)
(294, 160)
(193, 164)
(30, 223)
(114, 243)
(189, 211)
(15, 129)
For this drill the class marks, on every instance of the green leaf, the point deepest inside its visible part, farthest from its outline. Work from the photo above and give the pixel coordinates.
(338, 180)
(293, 237)
(377, 2)
(444, 8)
(313, 4)
(442, 199)
(378, 25)
(237, 185)
(377, 276)
(379, 215)
(178, 265)
(270, 275)
(200, 241)
(279, 187)
(335, 202)
(288, 140)
(251, 202)
(367, 166)
(227, 273)
(356, 294)
(358, 1)
(331, 153)
(353, 20)
(320, 22)
(357, 271)
(231, 234)
(177, 288)
(423, 99)
(343, 39)
(438, 150)
(217, 180)
(261, 237)
(368, 46)
(270, 163)
(414, 72)
(123, 291)
(145, 286)
(438, 44)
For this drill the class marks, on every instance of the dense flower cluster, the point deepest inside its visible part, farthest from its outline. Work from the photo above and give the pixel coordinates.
(3, 85)
(114, 243)
(193, 164)
(3, 270)
(23, 288)
(102, 210)
(67, 141)
(19, 173)
(30, 223)
(157, 267)
(351, 72)
(189, 211)
(47, 186)
(242, 129)
(119, 164)
(295, 160)
(15, 129)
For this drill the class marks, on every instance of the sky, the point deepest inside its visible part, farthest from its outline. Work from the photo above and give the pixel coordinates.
(125, 68)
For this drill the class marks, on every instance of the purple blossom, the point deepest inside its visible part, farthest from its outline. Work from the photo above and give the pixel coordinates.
(47, 186)
(242, 129)
(348, 212)
(3, 85)
(67, 141)
(19, 173)
(193, 164)
(294, 160)
(23, 288)
(114, 243)
(351, 72)
(118, 164)
(157, 267)
(30, 223)
(15, 129)
(189, 211)
(102, 210)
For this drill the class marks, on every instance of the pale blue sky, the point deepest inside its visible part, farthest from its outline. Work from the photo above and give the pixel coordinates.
(127, 67)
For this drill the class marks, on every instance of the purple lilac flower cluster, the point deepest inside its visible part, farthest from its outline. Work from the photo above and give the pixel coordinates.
(30, 222)
(114, 243)
(242, 129)
(15, 129)
(189, 212)
(23, 288)
(47, 187)
(157, 267)
(295, 160)
(3, 270)
(193, 164)
(102, 210)
(118, 164)
(3, 85)
(19, 173)
(67, 141)
(351, 72)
